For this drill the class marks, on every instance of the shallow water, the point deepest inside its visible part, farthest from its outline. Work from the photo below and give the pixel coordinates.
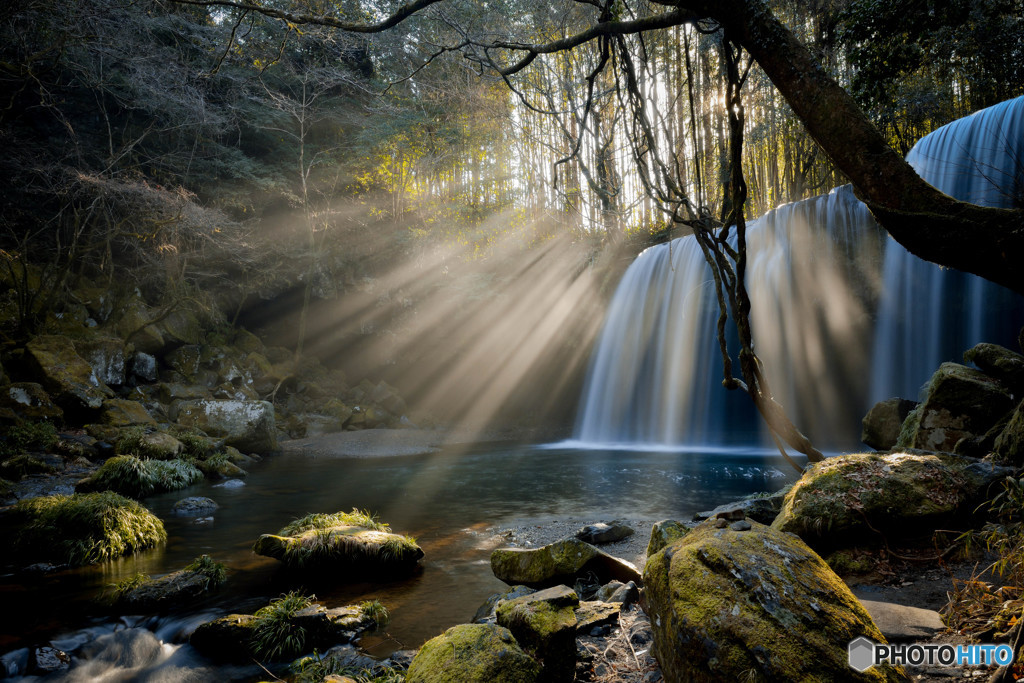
(451, 501)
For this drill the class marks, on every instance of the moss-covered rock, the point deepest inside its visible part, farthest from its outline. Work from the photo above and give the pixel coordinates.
(473, 653)
(999, 363)
(106, 357)
(1009, 445)
(487, 612)
(180, 586)
(247, 425)
(961, 402)
(348, 542)
(180, 326)
(226, 638)
(83, 528)
(544, 624)
(119, 412)
(135, 325)
(880, 428)
(171, 392)
(665, 532)
(753, 605)
(561, 562)
(29, 401)
(65, 376)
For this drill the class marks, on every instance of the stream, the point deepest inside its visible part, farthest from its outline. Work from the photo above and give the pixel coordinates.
(453, 501)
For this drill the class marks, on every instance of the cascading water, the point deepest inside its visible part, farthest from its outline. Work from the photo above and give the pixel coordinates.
(840, 313)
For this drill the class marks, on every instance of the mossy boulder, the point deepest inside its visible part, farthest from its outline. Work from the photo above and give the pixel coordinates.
(180, 326)
(119, 412)
(29, 401)
(561, 562)
(171, 589)
(226, 638)
(249, 426)
(839, 501)
(473, 653)
(961, 403)
(106, 357)
(487, 612)
(171, 392)
(351, 543)
(82, 528)
(1009, 445)
(759, 604)
(135, 325)
(665, 532)
(544, 624)
(999, 363)
(65, 375)
(880, 428)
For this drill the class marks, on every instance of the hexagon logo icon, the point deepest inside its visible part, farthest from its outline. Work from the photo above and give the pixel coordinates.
(862, 654)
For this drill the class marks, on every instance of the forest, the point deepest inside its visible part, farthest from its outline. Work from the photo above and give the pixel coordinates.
(412, 219)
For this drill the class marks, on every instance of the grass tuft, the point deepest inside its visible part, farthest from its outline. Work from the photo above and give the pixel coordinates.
(215, 572)
(274, 636)
(321, 520)
(137, 478)
(28, 436)
(376, 610)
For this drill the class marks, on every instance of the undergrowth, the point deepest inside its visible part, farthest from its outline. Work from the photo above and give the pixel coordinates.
(137, 478)
(27, 436)
(214, 572)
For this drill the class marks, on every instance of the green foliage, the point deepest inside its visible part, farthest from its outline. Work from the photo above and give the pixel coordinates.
(197, 445)
(376, 610)
(274, 636)
(316, 668)
(173, 475)
(397, 547)
(321, 520)
(28, 436)
(215, 572)
(20, 466)
(132, 476)
(122, 588)
(84, 528)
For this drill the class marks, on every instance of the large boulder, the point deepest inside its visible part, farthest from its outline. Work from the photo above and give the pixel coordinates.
(347, 542)
(561, 562)
(120, 412)
(665, 532)
(473, 653)
(544, 624)
(961, 403)
(730, 605)
(843, 499)
(28, 400)
(247, 425)
(880, 428)
(999, 363)
(106, 356)
(64, 374)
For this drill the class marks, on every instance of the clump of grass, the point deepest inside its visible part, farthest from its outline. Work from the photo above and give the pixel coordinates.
(197, 444)
(322, 520)
(84, 528)
(122, 588)
(398, 547)
(130, 441)
(316, 668)
(20, 466)
(135, 477)
(274, 636)
(376, 610)
(215, 572)
(28, 436)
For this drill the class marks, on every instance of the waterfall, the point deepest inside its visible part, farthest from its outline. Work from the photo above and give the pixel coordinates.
(841, 314)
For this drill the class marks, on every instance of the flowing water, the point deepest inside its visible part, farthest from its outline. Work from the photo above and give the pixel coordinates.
(452, 501)
(842, 315)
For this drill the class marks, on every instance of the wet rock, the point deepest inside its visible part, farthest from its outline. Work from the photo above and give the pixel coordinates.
(603, 532)
(999, 363)
(118, 412)
(561, 562)
(664, 532)
(195, 506)
(170, 589)
(728, 605)
(247, 425)
(30, 401)
(761, 508)
(230, 484)
(226, 638)
(65, 376)
(161, 446)
(180, 326)
(48, 660)
(473, 653)
(961, 402)
(544, 624)
(880, 428)
(135, 326)
(106, 356)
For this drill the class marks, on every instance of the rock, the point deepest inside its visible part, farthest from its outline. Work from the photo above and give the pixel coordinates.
(247, 342)
(485, 614)
(606, 591)
(106, 356)
(180, 327)
(77, 530)
(119, 412)
(170, 392)
(230, 484)
(473, 653)
(901, 623)
(604, 533)
(348, 543)
(762, 508)
(544, 624)
(160, 446)
(49, 660)
(247, 425)
(64, 374)
(134, 326)
(881, 426)
(838, 501)
(625, 595)
(960, 402)
(185, 360)
(194, 506)
(1009, 445)
(171, 589)
(561, 562)
(664, 532)
(142, 367)
(593, 614)
(740, 525)
(30, 401)
(228, 637)
(732, 606)
(999, 363)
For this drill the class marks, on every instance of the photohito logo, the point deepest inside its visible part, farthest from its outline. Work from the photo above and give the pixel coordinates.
(865, 653)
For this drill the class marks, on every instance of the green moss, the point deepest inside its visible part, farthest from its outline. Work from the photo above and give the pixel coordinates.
(28, 436)
(321, 520)
(21, 466)
(84, 528)
(197, 445)
(473, 653)
(909, 428)
(274, 636)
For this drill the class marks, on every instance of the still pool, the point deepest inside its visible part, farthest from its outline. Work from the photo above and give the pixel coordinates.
(452, 501)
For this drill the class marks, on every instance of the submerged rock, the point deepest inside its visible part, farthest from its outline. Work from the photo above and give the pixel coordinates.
(195, 506)
(473, 653)
(731, 606)
(561, 562)
(881, 426)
